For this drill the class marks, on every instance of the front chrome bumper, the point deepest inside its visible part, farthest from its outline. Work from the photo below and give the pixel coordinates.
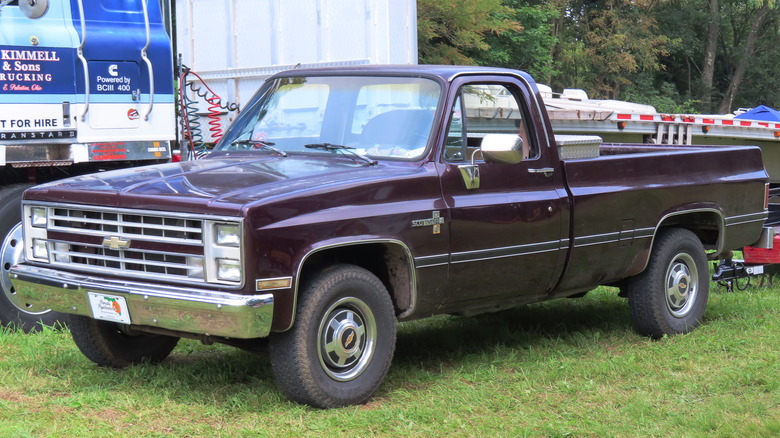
(169, 307)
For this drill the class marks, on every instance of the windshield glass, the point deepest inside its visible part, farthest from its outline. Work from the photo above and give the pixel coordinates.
(377, 117)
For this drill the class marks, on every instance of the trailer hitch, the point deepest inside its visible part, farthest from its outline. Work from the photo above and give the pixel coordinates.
(729, 272)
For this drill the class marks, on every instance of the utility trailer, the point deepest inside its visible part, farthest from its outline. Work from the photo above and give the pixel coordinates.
(572, 112)
(755, 262)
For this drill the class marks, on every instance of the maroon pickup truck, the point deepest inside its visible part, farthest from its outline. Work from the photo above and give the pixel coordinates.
(344, 200)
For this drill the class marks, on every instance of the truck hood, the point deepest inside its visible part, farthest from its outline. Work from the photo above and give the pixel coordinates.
(217, 185)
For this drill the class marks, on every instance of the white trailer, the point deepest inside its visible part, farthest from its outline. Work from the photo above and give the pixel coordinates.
(233, 45)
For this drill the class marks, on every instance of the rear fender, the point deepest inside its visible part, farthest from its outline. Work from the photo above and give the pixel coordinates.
(707, 223)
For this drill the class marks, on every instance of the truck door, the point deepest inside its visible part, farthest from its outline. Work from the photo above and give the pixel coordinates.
(127, 85)
(506, 231)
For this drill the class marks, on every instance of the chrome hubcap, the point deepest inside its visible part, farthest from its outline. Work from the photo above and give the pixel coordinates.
(681, 285)
(12, 252)
(346, 339)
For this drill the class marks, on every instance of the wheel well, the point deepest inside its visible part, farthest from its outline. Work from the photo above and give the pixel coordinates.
(706, 225)
(388, 261)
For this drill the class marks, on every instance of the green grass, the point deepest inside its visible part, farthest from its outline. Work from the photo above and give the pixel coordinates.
(562, 368)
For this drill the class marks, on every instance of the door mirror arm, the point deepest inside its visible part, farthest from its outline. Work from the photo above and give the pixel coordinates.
(470, 172)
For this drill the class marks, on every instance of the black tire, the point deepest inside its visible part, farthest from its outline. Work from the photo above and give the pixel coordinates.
(12, 251)
(670, 296)
(115, 345)
(339, 350)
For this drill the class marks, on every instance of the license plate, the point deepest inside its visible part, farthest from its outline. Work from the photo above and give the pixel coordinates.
(109, 307)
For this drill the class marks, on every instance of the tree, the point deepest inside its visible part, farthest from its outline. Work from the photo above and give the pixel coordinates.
(603, 43)
(710, 50)
(528, 48)
(694, 55)
(759, 12)
(727, 57)
(452, 31)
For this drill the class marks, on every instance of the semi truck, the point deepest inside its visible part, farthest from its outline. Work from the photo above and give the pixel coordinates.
(86, 86)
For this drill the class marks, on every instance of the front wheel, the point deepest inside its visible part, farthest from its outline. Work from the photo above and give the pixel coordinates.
(117, 345)
(339, 350)
(670, 296)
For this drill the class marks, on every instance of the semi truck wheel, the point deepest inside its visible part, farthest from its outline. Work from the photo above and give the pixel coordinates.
(670, 296)
(12, 251)
(118, 346)
(339, 350)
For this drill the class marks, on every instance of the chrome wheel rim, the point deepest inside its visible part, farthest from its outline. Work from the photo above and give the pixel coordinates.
(346, 339)
(682, 285)
(12, 252)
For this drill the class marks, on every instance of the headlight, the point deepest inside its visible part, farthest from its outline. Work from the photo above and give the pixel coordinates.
(227, 235)
(222, 254)
(228, 270)
(40, 251)
(38, 217)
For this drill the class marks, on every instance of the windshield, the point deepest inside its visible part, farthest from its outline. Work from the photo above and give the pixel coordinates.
(377, 117)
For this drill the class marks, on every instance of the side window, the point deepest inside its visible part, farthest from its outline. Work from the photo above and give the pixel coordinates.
(482, 109)
(455, 143)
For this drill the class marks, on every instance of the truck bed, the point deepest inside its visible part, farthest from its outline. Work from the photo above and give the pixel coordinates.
(623, 196)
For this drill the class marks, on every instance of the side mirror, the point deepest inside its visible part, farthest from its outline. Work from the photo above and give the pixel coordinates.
(502, 148)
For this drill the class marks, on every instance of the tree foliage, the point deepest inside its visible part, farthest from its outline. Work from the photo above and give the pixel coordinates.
(448, 31)
(688, 55)
(604, 43)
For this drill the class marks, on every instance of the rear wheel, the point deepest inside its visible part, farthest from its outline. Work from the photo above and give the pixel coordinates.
(340, 348)
(670, 296)
(12, 312)
(117, 345)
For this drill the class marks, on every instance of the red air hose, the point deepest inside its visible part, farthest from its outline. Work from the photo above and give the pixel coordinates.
(215, 123)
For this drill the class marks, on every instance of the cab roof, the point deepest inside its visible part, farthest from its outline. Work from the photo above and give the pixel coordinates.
(445, 72)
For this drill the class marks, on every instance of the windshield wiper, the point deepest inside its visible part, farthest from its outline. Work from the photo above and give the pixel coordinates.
(261, 144)
(340, 148)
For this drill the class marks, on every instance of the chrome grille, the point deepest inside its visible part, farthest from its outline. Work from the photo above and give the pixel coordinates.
(128, 225)
(102, 259)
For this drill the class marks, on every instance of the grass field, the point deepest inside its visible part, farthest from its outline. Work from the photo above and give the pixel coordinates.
(561, 368)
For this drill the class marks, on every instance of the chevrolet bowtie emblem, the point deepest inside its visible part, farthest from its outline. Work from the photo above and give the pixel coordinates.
(116, 243)
(436, 221)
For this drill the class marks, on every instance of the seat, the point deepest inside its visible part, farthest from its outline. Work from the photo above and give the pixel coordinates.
(405, 128)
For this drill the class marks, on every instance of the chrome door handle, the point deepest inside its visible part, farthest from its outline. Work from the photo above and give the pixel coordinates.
(547, 171)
